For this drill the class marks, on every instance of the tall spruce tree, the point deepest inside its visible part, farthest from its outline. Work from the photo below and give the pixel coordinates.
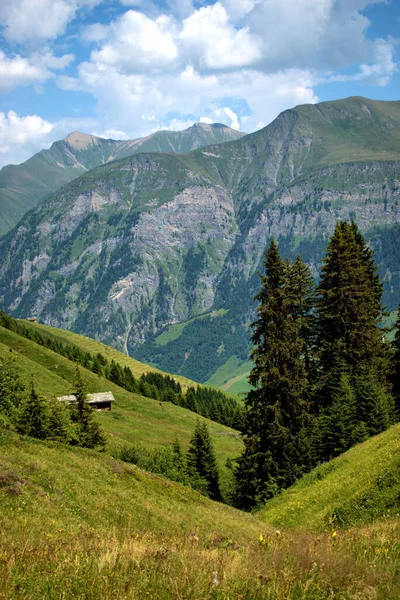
(275, 433)
(202, 463)
(396, 366)
(349, 309)
(301, 297)
(355, 402)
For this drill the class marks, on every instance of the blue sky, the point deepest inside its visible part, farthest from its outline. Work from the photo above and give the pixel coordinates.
(125, 68)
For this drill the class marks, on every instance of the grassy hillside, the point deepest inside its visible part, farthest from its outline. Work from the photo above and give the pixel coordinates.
(232, 376)
(134, 418)
(76, 524)
(94, 346)
(356, 488)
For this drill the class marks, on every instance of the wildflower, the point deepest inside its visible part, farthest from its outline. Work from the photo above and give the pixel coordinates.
(215, 578)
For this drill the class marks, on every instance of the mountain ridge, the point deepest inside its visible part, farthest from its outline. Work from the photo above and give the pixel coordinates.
(24, 186)
(150, 240)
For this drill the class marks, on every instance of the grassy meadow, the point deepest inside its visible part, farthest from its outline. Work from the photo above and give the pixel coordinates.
(134, 419)
(80, 525)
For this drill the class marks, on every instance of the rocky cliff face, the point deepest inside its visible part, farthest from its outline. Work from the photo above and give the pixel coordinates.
(24, 186)
(156, 240)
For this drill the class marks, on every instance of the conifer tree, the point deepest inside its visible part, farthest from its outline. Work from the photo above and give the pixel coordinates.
(34, 416)
(396, 367)
(201, 461)
(300, 295)
(356, 403)
(276, 447)
(349, 309)
(89, 431)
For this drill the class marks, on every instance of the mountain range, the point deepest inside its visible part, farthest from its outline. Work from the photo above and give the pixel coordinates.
(158, 253)
(23, 186)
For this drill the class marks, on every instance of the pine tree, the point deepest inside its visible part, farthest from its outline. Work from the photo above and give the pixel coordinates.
(349, 309)
(34, 416)
(300, 295)
(275, 433)
(395, 376)
(201, 461)
(356, 402)
(89, 431)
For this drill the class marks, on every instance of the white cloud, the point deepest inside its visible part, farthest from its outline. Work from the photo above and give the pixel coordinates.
(214, 43)
(239, 62)
(381, 71)
(136, 42)
(21, 133)
(23, 136)
(18, 71)
(32, 21)
(232, 116)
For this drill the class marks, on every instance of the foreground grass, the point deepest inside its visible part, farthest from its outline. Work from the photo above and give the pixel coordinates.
(79, 525)
(356, 488)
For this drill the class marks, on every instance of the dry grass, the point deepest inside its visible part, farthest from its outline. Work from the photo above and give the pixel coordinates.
(85, 526)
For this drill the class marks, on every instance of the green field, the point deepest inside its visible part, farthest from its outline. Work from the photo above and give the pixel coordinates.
(76, 524)
(94, 346)
(232, 376)
(173, 332)
(134, 419)
(356, 488)
(79, 524)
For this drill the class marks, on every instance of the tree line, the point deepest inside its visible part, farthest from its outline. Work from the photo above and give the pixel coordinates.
(207, 402)
(324, 376)
(22, 408)
(31, 414)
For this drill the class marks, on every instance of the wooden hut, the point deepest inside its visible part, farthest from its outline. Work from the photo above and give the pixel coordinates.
(100, 401)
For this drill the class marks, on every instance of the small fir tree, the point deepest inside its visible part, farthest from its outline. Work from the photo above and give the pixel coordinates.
(202, 463)
(33, 419)
(395, 371)
(89, 432)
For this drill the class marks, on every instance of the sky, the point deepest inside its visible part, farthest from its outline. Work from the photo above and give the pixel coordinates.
(122, 69)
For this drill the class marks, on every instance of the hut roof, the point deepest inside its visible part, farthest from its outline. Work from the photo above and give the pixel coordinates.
(100, 397)
(90, 398)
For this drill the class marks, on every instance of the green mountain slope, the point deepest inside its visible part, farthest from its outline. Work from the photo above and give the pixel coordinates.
(78, 524)
(134, 419)
(167, 247)
(23, 186)
(358, 487)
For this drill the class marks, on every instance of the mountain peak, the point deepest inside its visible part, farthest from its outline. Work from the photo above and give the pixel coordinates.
(209, 126)
(81, 141)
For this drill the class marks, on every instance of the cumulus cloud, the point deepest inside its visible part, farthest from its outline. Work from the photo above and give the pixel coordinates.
(135, 42)
(213, 42)
(21, 132)
(32, 21)
(23, 136)
(18, 71)
(166, 65)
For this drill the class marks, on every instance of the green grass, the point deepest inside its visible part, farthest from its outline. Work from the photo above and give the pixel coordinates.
(356, 488)
(78, 525)
(134, 419)
(232, 376)
(173, 332)
(94, 346)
